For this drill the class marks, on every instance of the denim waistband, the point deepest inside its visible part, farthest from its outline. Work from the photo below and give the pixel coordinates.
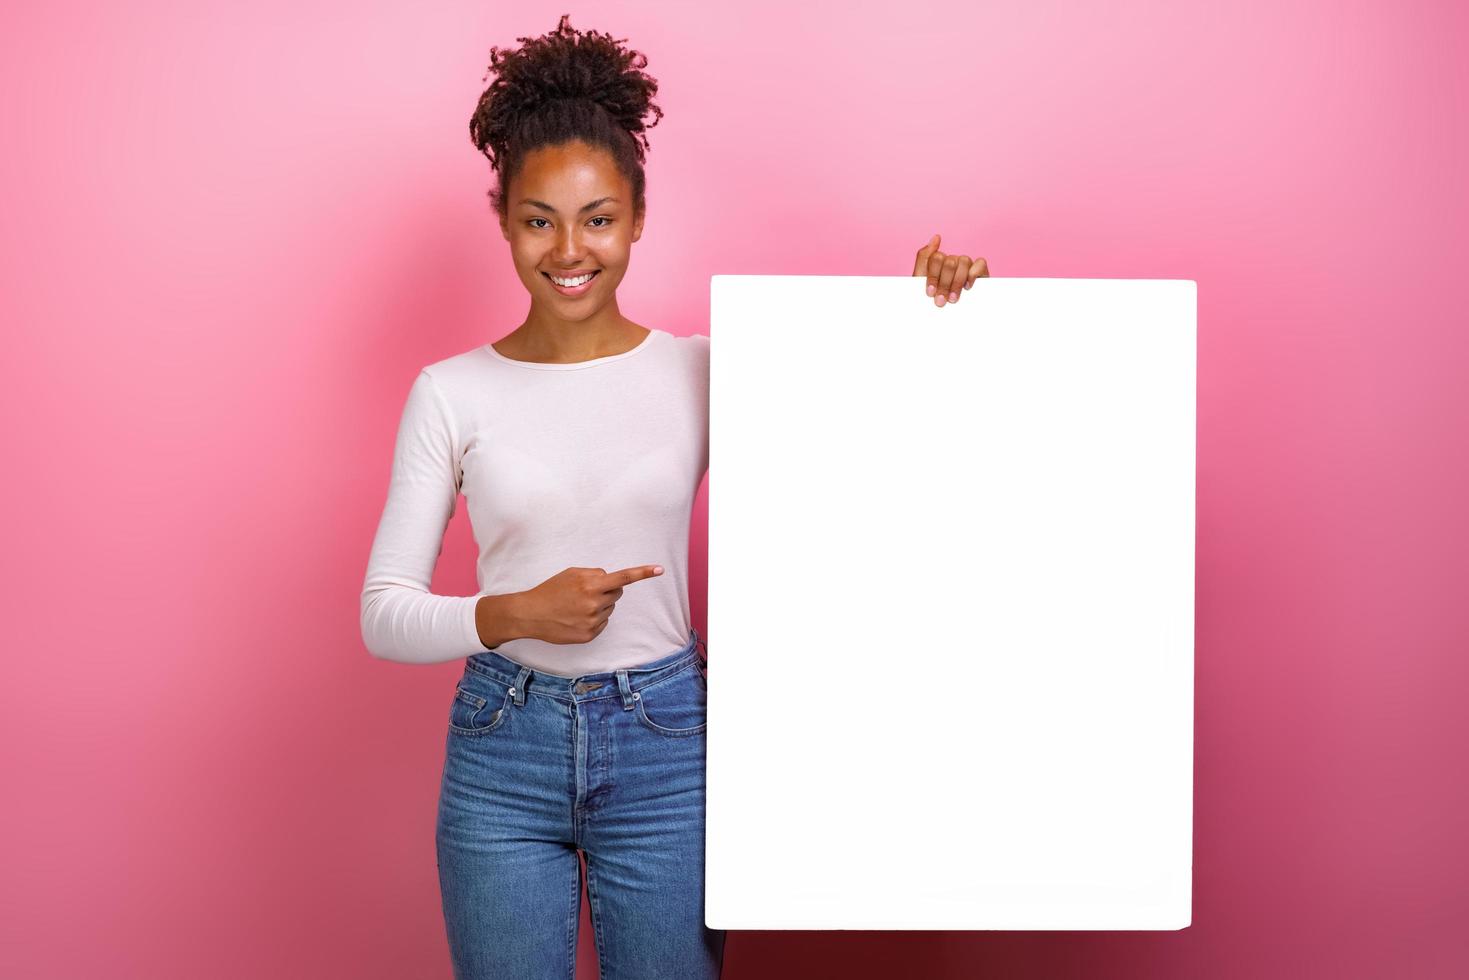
(584, 687)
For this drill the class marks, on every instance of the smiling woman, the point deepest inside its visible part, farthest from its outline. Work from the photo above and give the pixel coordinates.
(571, 731)
(563, 127)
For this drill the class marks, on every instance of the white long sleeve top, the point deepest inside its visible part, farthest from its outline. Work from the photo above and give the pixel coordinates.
(592, 464)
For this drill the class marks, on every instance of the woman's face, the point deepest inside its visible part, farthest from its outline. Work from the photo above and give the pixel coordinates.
(569, 212)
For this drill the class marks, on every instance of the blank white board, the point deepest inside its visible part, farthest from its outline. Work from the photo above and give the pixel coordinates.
(951, 589)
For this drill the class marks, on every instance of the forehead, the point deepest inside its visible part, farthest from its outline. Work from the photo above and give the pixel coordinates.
(571, 170)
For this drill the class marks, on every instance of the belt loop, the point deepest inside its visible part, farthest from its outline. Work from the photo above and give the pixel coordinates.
(519, 689)
(628, 697)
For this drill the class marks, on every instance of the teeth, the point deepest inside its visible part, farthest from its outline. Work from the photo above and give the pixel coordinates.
(572, 282)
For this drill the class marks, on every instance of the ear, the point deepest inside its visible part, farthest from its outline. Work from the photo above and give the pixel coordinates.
(637, 227)
(505, 228)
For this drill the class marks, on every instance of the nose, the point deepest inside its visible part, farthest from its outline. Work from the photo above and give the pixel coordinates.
(569, 249)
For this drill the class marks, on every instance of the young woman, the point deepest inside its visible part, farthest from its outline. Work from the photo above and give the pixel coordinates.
(579, 437)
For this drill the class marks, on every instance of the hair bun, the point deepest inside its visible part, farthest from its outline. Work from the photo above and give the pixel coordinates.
(564, 66)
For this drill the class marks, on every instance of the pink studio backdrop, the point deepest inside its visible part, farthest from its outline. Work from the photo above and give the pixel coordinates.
(233, 234)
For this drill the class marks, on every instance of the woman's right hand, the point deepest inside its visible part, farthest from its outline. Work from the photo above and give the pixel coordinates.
(573, 605)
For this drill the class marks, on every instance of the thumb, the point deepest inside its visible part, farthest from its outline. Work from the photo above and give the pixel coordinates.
(920, 266)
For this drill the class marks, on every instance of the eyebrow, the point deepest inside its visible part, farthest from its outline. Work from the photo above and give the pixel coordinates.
(584, 208)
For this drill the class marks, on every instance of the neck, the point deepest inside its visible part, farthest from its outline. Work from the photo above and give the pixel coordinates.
(544, 336)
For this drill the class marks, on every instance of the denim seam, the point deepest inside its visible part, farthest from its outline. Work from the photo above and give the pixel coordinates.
(482, 672)
(640, 712)
(574, 771)
(649, 723)
(469, 698)
(484, 729)
(599, 924)
(663, 680)
(609, 765)
(573, 916)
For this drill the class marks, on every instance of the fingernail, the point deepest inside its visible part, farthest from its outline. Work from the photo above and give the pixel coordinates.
(953, 297)
(657, 569)
(941, 301)
(931, 290)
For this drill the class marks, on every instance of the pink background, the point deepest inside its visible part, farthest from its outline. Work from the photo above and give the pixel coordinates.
(232, 236)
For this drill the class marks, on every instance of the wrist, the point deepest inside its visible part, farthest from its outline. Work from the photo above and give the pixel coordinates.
(497, 619)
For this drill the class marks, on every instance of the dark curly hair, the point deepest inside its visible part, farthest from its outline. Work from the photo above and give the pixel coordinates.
(565, 85)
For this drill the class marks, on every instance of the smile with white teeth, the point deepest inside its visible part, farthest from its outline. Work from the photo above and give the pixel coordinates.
(571, 282)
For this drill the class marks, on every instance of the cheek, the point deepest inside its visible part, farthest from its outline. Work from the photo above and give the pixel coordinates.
(527, 262)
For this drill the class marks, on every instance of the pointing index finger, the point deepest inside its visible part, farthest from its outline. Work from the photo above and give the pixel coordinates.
(625, 576)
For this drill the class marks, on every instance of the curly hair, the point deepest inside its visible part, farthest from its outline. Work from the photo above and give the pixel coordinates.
(565, 85)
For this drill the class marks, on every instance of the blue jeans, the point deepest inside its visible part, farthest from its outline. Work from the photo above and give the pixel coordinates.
(538, 766)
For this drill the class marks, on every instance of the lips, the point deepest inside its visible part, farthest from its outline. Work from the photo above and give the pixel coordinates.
(575, 291)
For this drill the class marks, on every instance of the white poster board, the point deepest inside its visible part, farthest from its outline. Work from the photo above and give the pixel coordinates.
(951, 604)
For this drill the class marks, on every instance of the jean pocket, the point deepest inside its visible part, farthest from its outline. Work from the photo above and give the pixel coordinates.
(475, 714)
(675, 706)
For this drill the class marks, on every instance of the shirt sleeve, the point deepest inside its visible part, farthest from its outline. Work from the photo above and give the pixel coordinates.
(702, 343)
(401, 619)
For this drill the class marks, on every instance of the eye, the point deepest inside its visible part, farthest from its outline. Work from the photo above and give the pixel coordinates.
(535, 219)
(602, 218)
